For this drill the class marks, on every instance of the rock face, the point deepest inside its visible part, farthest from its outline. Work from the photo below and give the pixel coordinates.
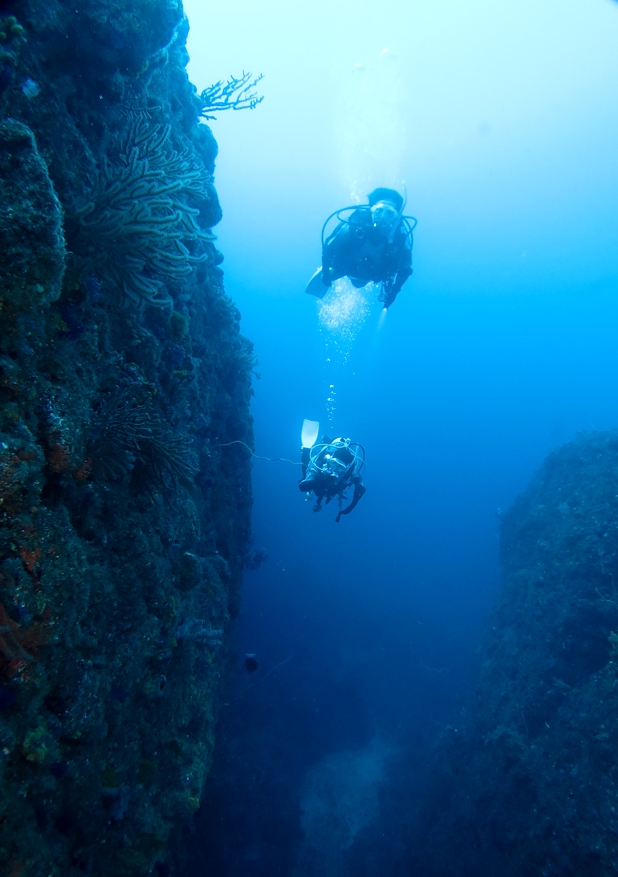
(528, 780)
(30, 225)
(124, 510)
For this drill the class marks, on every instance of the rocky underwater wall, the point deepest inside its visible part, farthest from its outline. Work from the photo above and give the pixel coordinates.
(526, 782)
(124, 517)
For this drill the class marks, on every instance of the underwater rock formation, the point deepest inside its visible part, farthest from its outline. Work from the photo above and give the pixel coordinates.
(124, 520)
(527, 780)
(30, 224)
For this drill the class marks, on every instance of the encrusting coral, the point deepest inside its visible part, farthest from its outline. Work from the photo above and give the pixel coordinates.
(33, 247)
(122, 539)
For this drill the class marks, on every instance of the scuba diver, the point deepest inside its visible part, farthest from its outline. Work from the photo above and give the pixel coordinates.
(330, 468)
(372, 243)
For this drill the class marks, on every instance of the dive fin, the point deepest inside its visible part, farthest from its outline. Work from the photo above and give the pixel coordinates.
(309, 434)
(315, 285)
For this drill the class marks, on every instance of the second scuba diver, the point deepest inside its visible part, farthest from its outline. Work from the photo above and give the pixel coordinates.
(329, 469)
(373, 243)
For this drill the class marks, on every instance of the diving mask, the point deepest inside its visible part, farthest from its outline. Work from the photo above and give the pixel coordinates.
(384, 217)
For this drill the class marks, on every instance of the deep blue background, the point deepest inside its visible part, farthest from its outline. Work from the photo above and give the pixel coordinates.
(502, 123)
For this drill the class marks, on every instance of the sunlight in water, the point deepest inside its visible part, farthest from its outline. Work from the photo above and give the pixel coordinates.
(371, 129)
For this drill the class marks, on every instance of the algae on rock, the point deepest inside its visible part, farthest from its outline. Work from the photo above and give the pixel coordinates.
(123, 529)
(34, 253)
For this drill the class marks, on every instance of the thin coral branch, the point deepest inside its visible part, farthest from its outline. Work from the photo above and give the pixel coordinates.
(235, 94)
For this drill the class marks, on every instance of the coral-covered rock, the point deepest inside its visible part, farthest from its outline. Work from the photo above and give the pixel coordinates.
(33, 257)
(124, 510)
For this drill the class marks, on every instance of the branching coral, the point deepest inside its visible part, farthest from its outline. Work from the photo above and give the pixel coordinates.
(129, 436)
(235, 94)
(140, 224)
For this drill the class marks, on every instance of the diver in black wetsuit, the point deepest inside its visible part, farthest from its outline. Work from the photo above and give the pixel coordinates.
(329, 469)
(374, 243)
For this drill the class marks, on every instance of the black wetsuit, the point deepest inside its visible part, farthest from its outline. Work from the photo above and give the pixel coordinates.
(363, 253)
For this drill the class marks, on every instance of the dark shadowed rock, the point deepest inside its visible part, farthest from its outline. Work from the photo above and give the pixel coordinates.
(527, 779)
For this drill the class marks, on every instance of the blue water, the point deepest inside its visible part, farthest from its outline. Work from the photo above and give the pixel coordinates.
(500, 120)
